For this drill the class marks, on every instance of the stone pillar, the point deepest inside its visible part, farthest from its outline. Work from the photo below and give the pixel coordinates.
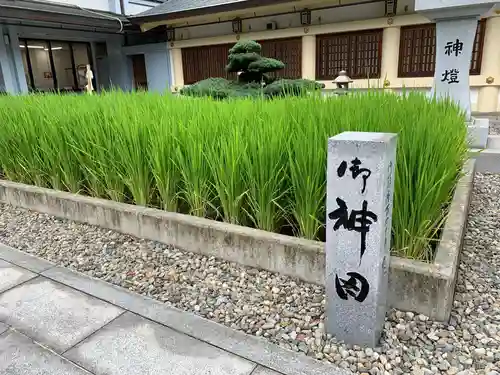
(158, 70)
(17, 60)
(454, 43)
(7, 75)
(120, 66)
(178, 70)
(488, 96)
(456, 24)
(309, 57)
(360, 186)
(390, 54)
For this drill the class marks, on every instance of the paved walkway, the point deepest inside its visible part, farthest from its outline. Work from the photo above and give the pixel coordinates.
(54, 321)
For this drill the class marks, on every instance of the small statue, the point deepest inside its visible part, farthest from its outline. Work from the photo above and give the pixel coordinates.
(89, 76)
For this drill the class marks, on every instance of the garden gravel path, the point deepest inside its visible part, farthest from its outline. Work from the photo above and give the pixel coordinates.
(286, 311)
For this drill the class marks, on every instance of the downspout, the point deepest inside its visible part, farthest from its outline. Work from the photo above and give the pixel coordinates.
(122, 7)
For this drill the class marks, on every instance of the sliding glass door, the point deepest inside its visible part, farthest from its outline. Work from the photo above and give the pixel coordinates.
(55, 66)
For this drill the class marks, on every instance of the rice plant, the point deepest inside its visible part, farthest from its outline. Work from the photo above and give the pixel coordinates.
(260, 163)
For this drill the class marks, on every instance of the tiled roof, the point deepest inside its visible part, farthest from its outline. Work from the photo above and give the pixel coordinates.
(177, 8)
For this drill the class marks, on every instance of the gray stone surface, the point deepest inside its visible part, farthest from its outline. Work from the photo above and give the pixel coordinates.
(357, 263)
(53, 314)
(264, 371)
(141, 346)
(3, 328)
(11, 275)
(250, 347)
(477, 133)
(30, 262)
(451, 78)
(19, 355)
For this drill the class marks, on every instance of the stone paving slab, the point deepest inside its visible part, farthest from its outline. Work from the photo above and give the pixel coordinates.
(264, 371)
(11, 275)
(253, 348)
(19, 355)
(62, 308)
(141, 346)
(54, 314)
(24, 260)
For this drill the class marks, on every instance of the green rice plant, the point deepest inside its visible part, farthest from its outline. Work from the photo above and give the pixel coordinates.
(130, 142)
(307, 173)
(191, 162)
(265, 169)
(224, 158)
(246, 161)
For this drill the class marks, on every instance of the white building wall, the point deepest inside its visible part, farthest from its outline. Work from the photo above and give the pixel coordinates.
(286, 21)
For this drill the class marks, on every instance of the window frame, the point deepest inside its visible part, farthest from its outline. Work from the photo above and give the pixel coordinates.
(289, 72)
(31, 83)
(321, 58)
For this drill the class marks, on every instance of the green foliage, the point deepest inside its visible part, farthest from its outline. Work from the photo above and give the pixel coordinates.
(259, 163)
(246, 46)
(221, 88)
(241, 61)
(245, 57)
(265, 65)
(292, 87)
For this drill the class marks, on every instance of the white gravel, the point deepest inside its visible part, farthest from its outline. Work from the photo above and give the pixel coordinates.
(495, 127)
(286, 311)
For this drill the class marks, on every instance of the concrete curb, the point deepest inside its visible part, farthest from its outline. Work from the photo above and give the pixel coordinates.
(414, 286)
(487, 160)
(252, 348)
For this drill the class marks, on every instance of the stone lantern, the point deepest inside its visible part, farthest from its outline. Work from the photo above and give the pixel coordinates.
(342, 82)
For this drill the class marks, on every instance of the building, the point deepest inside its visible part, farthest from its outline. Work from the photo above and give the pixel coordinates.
(381, 43)
(45, 45)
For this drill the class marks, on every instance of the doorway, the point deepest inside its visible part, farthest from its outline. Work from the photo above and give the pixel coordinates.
(139, 71)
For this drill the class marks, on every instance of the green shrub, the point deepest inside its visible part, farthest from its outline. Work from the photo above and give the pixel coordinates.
(253, 162)
(294, 87)
(220, 88)
(245, 59)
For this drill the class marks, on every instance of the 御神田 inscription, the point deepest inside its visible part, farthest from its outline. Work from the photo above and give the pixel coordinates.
(358, 220)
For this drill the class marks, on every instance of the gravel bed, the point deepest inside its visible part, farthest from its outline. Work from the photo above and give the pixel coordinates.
(495, 127)
(288, 312)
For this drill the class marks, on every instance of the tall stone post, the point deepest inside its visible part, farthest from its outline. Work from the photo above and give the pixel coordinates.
(360, 186)
(456, 24)
(454, 43)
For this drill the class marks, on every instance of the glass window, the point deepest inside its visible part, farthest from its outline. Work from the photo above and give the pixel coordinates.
(81, 55)
(38, 50)
(62, 68)
(61, 54)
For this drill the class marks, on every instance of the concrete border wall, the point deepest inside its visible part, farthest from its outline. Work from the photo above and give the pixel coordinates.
(414, 285)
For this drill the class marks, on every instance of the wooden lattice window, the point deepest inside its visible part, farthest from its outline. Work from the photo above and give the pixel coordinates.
(477, 48)
(359, 53)
(205, 62)
(287, 50)
(417, 50)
